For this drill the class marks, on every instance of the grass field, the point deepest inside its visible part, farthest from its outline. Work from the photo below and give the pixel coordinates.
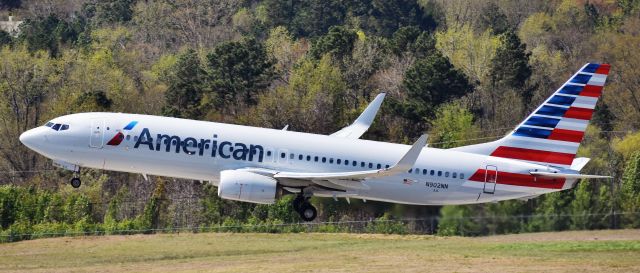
(584, 251)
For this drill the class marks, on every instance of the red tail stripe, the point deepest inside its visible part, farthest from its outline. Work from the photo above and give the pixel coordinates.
(579, 113)
(591, 91)
(523, 180)
(533, 155)
(566, 135)
(603, 69)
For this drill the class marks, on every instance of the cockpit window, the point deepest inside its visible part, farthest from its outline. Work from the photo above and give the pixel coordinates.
(56, 126)
(64, 127)
(49, 124)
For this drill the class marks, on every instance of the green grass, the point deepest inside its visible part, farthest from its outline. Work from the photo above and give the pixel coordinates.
(241, 252)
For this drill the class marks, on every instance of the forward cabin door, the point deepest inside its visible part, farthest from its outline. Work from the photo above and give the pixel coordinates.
(96, 139)
(490, 179)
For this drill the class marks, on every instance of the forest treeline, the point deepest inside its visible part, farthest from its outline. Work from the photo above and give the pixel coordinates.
(463, 71)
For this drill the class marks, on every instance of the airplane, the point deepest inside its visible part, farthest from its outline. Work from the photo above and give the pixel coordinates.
(260, 165)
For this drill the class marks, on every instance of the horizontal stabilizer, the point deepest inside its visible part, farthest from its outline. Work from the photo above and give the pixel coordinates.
(362, 123)
(567, 175)
(579, 163)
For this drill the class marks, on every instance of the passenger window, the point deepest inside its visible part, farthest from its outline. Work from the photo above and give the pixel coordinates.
(461, 175)
(354, 163)
(268, 153)
(338, 161)
(432, 172)
(308, 158)
(292, 156)
(446, 174)
(454, 175)
(424, 171)
(300, 157)
(129, 138)
(346, 162)
(370, 165)
(282, 155)
(439, 173)
(315, 159)
(387, 166)
(324, 159)
(56, 126)
(379, 166)
(362, 164)
(410, 170)
(330, 160)
(417, 171)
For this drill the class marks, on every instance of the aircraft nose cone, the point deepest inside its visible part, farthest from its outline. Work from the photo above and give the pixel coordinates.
(31, 138)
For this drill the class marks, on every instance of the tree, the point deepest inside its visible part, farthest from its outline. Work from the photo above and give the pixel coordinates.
(110, 11)
(5, 38)
(430, 82)
(49, 33)
(631, 190)
(185, 87)
(452, 124)
(238, 72)
(510, 66)
(338, 42)
(492, 17)
(385, 17)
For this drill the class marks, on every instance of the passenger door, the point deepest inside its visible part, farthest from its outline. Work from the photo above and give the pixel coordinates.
(490, 179)
(96, 140)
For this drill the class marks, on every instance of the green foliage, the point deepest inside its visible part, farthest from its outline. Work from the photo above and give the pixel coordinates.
(454, 220)
(432, 81)
(452, 125)
(493, 18)
(338, 42)
(631, 190)
(238, 72)
(185, 87)
(109, 11)
(5, 39)
(510, 67)
(49, 33)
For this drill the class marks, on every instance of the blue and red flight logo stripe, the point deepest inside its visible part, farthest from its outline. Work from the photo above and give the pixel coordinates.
(119, 137)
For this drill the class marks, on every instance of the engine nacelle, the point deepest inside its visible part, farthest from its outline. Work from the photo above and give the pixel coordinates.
(247, 187)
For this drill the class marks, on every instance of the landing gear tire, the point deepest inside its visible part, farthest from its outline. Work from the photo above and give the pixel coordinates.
(307, 212)
(297, 203)
(75, 182)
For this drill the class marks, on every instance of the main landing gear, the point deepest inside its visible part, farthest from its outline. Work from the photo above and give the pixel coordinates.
(307, 211)
(75, 181)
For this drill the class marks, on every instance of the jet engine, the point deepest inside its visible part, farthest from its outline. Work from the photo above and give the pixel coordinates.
(247, 187)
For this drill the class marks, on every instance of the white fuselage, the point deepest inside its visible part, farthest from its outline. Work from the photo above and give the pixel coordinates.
(451, 177)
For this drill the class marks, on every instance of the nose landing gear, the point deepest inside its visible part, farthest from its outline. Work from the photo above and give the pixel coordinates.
(307, 211)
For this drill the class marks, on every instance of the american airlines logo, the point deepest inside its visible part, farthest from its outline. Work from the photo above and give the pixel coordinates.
(211, 147)
(117, 139)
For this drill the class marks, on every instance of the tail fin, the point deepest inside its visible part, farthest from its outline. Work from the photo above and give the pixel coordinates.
(552, 133)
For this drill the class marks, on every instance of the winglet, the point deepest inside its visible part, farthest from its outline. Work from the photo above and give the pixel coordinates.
(362, 123)
(409, 159)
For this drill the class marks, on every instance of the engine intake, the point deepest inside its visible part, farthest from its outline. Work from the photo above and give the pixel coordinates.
(247, 187)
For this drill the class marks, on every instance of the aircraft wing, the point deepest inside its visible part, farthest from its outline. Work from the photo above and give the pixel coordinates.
(403, 165)
(350, 179)
(567, 175)
(362, 123)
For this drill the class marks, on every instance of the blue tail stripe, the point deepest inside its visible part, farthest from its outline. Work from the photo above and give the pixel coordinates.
(549, 110)
(532, 132)
(542, 122)
(571, 89)
(590, 68)
(581, 78)
(562, 100)
(130, 125)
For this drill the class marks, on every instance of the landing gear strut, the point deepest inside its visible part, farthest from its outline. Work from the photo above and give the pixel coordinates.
(75, 181)
(307, 211)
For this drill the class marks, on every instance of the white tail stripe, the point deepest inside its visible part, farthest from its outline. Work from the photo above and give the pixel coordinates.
(585, 102)
(573, 124)
(548, 145)
(597, 79)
